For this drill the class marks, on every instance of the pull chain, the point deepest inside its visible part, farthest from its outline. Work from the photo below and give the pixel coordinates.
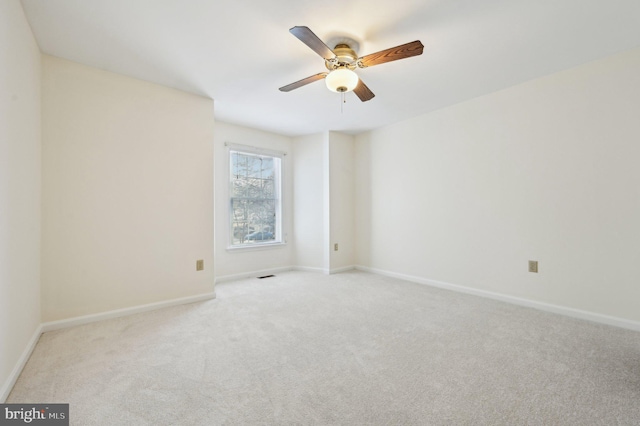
(343, 101)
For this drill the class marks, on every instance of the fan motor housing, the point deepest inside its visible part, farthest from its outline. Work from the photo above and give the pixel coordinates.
(345, 58)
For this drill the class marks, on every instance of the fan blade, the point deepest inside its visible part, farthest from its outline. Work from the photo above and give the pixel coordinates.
(399, 52)
(307, 36)
(303, 82)
(364, 93)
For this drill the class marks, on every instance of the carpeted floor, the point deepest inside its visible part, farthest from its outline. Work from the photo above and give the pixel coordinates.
(350, 349)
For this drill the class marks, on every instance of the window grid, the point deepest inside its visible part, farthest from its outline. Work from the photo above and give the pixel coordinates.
(255, 198)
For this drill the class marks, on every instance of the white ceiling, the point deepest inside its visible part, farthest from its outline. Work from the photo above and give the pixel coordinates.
(240, 52)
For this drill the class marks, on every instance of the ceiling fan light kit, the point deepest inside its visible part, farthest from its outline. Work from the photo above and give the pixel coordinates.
(343, 60)
(341, 80)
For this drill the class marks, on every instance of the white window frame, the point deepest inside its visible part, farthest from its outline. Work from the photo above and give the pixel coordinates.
(280, 232)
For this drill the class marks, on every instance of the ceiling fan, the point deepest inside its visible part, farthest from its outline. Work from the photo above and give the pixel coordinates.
(342, 60)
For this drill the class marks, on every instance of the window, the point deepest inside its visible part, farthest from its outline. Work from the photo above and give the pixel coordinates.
(255, 201)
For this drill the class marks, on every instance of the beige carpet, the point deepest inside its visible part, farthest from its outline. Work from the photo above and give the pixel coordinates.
(351, 349)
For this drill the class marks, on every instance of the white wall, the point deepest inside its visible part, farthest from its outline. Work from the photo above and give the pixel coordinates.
(127, 191)
(547, 170)
(341, 201)
(231, 263)
(20, 176)
(308, 186)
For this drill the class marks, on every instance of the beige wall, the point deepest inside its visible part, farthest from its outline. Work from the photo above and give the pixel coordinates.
(233, 263)
(341, 201)
(127, 191)
(20, 175)
(546, 170)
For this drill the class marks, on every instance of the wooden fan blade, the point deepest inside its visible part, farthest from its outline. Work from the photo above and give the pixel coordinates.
(399, 52)
(307, 36)
(363, 92)
(303, 82)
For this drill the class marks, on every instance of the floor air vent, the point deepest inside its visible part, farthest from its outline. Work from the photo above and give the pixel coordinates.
(266, 276)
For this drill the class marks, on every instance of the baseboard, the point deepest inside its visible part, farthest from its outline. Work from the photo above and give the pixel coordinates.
(324, 270)
(72, 322)
(556, 309)
(22, 361)
(252, 274)
(308, 269)
(343, 269)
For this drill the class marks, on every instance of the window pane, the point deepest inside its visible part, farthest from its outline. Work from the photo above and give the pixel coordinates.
(254, 198)
(238, 189)
(269, 189)
(253, 220)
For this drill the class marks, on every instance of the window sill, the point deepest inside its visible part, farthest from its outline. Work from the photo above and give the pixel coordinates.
(256, 247)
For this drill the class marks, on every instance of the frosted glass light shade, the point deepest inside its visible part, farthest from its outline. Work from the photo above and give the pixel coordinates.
(341, 80)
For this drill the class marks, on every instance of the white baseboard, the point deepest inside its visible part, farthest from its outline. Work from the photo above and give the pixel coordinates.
(308, 269)
(22, 361)
(72, 322)
(343, 269)
(252, 274)
(557, 309)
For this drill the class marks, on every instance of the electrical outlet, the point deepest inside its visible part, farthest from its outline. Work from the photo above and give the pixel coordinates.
(533, 266)
(199, 265)
(335, 247)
